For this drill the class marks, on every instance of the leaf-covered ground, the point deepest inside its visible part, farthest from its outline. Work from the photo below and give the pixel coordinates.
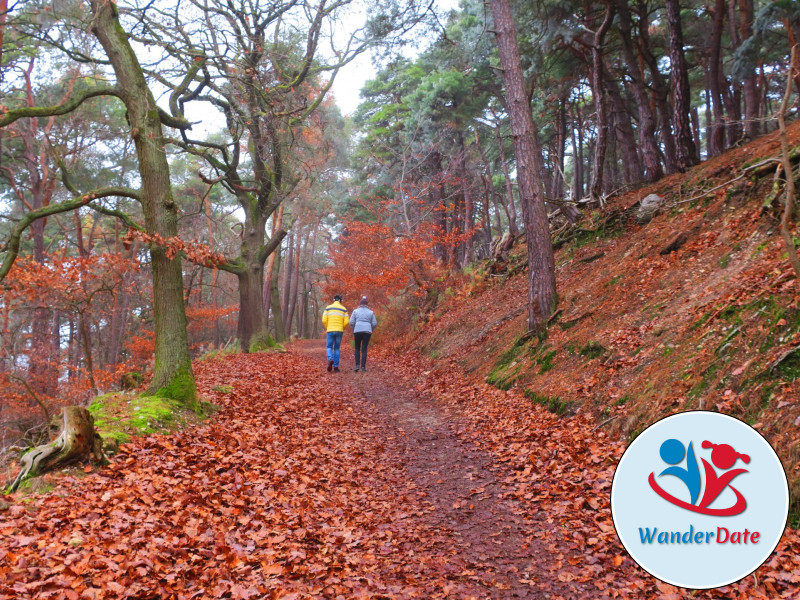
(402, 482)
(564, 468)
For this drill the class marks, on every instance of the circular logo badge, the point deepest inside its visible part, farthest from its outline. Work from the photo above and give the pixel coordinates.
(699, 500)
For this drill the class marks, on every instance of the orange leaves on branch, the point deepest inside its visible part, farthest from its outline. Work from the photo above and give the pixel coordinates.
(193, 250)
(65, 282)
(370, 257)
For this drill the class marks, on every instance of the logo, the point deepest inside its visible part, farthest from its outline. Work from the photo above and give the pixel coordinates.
(723, 456)
(699, 500)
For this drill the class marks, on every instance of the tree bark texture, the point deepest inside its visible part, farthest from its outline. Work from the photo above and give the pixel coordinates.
(172, 374)
(600, 105)
(660, 92)
(541, 265)
(647, 121)
(275, 301)
(77, 441)
(681, 94)
(253, 331)
(511, 208)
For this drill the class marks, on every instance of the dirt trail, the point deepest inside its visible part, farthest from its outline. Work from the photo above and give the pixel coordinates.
(496, 543)
(304, 485)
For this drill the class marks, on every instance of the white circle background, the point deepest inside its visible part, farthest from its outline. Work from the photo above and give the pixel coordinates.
(635, 505)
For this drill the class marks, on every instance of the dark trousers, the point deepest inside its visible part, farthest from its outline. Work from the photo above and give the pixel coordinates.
(362, 340)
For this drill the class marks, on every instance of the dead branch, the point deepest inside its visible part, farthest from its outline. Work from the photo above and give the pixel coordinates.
(789, 194)
(34, 396)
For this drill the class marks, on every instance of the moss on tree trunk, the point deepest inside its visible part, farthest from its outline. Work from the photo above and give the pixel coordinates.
(172, 376)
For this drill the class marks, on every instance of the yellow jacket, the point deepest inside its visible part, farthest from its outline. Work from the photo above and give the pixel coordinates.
(335, 317)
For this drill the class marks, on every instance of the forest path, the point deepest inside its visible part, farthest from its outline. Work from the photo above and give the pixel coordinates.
(305, 484)
(491, 538)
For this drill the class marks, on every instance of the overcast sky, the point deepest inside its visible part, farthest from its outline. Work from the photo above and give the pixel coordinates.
(353, 76)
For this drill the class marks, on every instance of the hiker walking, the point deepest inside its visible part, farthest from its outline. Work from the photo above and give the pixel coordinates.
(334, 319)
(362, 321)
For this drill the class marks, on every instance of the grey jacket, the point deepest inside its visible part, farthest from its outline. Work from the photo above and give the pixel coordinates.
(363, 319)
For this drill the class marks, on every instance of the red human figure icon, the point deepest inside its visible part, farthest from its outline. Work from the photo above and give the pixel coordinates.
(724, 457)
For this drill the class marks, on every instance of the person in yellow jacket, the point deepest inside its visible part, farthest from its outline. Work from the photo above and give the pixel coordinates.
(335, 319)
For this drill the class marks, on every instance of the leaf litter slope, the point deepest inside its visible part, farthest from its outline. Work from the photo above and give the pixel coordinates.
(564, 468)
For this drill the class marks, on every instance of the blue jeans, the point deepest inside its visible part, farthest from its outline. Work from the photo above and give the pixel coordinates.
(332, 344)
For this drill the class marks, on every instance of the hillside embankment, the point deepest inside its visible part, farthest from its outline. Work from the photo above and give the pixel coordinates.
(697, 309)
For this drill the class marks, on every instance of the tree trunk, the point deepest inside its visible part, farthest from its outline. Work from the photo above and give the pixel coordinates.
(717, 141)
(557, 185)
(287, 284)
(440, 251)
(172, 374)
(660, 89)
(277, 225)
(511, 207)
(681, 94)
(577, 162)
(87, 352)
(275, 301)
(466, 191)
(626, 140)
(294, 289)
(77, 441)
(752, 99)
(647, 121)
(541, 264)
(490, 194)
(252, 332)
(598, 91)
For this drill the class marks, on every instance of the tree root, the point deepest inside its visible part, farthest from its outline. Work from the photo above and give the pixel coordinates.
(77, 440)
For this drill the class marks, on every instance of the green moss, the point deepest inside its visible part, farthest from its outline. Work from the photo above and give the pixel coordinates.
(546, 361)
(181, 388)
(35, 485)
(794, 516)
(707, 378)
(223, 389)
(789, 368)
(152, 413)
(131, 380)
(723, 261)
(567, 324)
(700, 322)
(759, 249)
(623, 400)
(499, 375)
(119, 416)
(593, 350)
(502, 379)
(552, 403)
(266, 344)
(614, 280)
(732, 314)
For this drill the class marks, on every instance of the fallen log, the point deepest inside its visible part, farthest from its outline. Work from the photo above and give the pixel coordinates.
(77, 441)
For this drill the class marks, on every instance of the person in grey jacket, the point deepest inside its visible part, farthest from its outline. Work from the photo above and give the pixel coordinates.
(362, 321)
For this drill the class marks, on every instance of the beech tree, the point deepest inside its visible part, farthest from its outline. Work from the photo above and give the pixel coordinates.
(172, 375)
(264, 67)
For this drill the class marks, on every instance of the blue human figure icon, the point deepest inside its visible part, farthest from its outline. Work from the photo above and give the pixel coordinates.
(672, 453)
